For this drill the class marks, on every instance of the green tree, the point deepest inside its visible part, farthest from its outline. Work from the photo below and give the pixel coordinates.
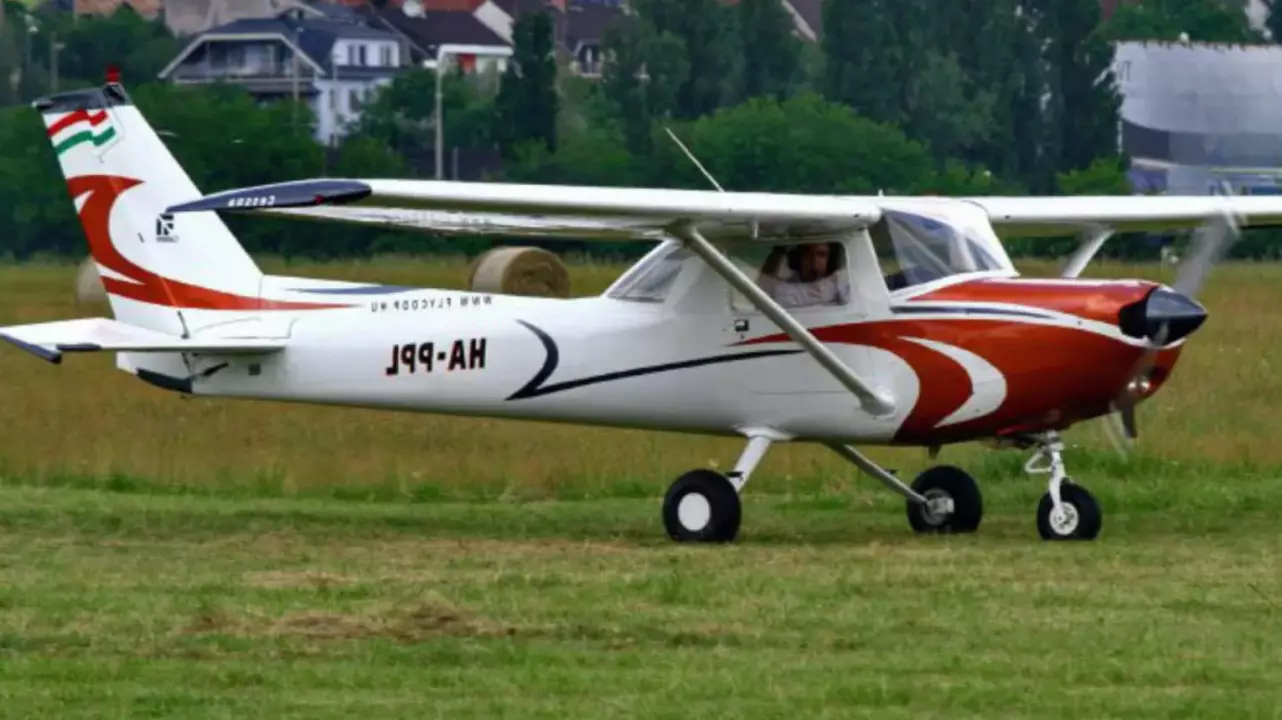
(706, 28)
(771, 52)
(401, 115)
(41, 218)
(527, 104)
(1034, 144)
(593, 156)
(862, 54)
(1104, 176)
(984, 38)
(138, 47)
(1203, 21)
(1088, 102)
(944, 108)
(803, 144)
(643, 78)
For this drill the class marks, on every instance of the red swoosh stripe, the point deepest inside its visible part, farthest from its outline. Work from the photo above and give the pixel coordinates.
(1054, 375)
(103, 191)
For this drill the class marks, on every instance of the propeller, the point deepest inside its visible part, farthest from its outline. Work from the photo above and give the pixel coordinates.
(1211, 241)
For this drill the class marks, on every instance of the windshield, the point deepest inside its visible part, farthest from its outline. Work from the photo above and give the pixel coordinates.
(916, 248)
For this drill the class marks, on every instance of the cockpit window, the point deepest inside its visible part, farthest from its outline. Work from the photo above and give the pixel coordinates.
(652, 280)
(916, 249)
(795, 275)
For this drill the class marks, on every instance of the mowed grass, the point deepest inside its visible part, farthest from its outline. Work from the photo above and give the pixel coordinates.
(134, 605)
(86, 423)
(161, 557)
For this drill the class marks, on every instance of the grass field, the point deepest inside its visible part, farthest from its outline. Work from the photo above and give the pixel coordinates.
(218, 559)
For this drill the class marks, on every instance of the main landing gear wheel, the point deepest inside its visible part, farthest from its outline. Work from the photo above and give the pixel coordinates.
(1079, 518)
(953, 502)
(702, 506)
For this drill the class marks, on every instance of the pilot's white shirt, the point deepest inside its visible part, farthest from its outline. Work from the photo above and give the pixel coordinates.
(832, 290)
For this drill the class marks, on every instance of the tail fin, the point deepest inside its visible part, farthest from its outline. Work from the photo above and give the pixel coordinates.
(161, 272)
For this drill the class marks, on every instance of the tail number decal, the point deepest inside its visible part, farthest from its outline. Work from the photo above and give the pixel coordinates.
(412, 358)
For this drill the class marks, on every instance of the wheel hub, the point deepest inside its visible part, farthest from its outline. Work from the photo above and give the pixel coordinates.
(694, 511)
(1064, 519)
(938, 508)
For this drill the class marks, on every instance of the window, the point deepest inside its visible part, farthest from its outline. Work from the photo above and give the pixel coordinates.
(361, 55)
(915, 248)
(651, 280)
(354, 99)
(351, 54)
(236, 60)
(796, 275)
(385, 56)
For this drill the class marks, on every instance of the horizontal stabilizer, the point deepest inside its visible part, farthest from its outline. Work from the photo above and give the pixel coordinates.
(49, 341)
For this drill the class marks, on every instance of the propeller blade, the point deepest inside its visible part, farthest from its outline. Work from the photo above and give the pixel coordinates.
(1211, 241)
(1114, 428)
(1128, 423)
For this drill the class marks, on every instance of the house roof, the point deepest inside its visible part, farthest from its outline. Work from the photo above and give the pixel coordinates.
(433, 28)
(313, 37)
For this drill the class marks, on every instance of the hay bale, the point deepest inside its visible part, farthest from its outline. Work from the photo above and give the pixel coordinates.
(528, 271)
(88, 284)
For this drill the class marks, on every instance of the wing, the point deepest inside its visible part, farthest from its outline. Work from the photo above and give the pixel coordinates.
(583, 212)
(1045, 216)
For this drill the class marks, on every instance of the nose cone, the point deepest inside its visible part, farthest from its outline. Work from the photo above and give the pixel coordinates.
(1180, 314)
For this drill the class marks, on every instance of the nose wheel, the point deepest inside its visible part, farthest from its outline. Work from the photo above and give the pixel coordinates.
(1067, 511)
(1077, 517)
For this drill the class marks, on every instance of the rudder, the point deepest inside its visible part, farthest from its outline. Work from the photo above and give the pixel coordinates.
(172, 274)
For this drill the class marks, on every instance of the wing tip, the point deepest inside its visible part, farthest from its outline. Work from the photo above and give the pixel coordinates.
(291, 194)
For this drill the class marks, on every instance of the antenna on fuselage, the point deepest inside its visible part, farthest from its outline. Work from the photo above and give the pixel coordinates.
(754, 228)
(694, 159)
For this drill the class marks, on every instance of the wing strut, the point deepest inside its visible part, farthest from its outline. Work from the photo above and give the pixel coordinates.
(872, 401)
(1091, 244)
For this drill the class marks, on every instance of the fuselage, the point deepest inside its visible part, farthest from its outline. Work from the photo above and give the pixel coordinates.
(963, 359)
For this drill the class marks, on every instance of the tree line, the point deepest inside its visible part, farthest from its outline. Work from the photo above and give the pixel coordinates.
(900, 96)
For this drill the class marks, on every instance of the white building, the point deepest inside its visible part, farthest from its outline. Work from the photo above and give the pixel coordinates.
(340, 62)
(1196, 114)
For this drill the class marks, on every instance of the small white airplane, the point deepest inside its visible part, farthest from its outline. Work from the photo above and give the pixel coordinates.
(838, 320)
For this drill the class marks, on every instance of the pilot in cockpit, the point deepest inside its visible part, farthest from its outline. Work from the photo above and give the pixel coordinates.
(805, 275)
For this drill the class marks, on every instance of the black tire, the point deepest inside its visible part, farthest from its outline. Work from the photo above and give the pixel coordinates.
(952, 482)
(1084, 517)
(702, 506)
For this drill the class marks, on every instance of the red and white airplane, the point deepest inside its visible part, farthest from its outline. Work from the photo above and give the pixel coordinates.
(840, 320)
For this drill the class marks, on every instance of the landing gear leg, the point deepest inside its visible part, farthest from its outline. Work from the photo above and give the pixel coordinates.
(703, 505)
(1067, 511)
(943, 499)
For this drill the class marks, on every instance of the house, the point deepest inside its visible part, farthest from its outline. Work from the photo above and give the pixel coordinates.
(586, 24)
(424, 31)
(340, 62)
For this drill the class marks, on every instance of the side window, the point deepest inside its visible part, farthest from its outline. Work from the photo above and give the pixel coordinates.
(653, 282)
(795, 275)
